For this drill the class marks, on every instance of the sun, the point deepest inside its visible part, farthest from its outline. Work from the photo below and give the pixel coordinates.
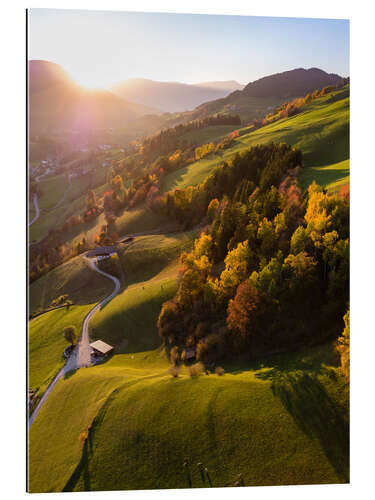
(89, 81)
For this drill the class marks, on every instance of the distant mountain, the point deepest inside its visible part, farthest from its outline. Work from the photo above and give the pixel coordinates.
(258, 97)
(56, 103)
(171, 96)
(226, 86)
(296, 82)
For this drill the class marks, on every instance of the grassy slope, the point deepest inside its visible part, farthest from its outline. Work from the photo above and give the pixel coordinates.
(321, 132)
(74, 278)
(46, 342)
(53, 191)
(129, 321)
(147, 256)
(282, 422)
(333, 176)
(150, 270)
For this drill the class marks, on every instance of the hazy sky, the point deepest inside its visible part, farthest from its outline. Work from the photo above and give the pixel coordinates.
(99, 48)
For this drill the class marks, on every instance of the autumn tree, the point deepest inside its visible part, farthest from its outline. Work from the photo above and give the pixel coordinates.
(343, 345)
(70, 334)
(212, 209)
(245, 310)
(237, 265)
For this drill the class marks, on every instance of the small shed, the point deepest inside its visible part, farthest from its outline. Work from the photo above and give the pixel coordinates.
(189, 354)
(100, 348)
(99, 251)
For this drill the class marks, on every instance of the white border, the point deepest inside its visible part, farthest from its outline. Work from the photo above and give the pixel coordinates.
(12, 278)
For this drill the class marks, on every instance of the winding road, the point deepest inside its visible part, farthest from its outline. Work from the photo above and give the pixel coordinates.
(58, 204)
(81, 356)
(37, 211)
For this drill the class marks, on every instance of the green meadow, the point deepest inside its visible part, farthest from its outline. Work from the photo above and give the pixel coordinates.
(142, 424)
(47, 343)
(74, 278)
(150, 265)
(321, 131)
(59, 200)
(280, 421)
(53, 189)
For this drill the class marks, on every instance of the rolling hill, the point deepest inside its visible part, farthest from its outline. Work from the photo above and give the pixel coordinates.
(128, 424)
(141, 425)
(56, 103)
(258, 97)
(296, 82)
(46, 343)
(321, 131)
(73, 278)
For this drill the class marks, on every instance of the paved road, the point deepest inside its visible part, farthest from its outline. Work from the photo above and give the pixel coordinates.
(81, 355)
(37, 211)
(84, 358)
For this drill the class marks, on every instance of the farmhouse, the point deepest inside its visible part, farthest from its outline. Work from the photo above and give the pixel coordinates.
(98, 251)
(100, 348)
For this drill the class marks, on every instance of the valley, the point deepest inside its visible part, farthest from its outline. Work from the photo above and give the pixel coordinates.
(219, 236)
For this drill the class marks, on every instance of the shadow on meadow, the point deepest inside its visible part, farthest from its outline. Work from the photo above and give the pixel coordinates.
(297, 380)
(315, 412)
(82, 469)
(330, 176)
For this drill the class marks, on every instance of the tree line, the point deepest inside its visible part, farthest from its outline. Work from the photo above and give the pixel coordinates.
(170, 139)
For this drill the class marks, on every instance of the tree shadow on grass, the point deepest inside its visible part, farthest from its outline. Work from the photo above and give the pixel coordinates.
(315, 360)
(70, 373)
(315, 412)
(329, 176)
(82, 469)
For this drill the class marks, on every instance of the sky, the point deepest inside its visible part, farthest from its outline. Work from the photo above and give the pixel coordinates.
(100, 48)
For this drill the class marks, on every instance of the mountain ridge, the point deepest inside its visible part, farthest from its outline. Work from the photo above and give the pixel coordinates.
(263, 94)
(170, 96)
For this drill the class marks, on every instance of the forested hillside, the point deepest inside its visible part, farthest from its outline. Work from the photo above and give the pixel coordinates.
(271, 270)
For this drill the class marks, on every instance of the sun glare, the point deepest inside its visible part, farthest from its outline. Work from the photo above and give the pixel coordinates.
(89, 82)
